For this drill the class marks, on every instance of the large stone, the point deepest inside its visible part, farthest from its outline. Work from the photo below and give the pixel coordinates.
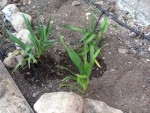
(3, 3)
(59, 102)
(10, 61)
(11, 99)
(94, 106)
(13, 15)
(18, 21)
(23, 35)
(13, 58)
(9, 11)
(138, 8)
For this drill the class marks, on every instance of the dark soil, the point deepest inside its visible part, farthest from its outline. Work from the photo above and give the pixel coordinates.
(125, 85)
(42, 77)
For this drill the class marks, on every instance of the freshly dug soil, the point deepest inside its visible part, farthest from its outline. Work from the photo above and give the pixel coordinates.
(46, 77)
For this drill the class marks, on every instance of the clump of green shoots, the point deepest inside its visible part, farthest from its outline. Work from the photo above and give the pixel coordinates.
(83, 65)
(85, 58)
(40, 42)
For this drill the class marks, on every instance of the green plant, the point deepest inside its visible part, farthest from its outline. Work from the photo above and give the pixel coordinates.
(91, 36)
(40, 42)
(83, 64)
(85, 58)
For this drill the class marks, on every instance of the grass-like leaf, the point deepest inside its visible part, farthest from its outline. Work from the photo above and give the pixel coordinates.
(75, 28)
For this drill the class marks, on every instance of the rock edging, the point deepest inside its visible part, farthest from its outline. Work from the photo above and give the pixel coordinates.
(69, 102)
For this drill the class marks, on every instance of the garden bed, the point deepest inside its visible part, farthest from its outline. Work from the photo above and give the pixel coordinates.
(124, 85)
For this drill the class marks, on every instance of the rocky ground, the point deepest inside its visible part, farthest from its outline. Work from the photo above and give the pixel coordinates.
(126, 83)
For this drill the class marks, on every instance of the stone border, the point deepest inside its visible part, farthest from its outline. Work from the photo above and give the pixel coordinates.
(11, 99)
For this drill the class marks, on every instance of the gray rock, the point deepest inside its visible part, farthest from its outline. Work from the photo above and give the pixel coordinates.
(13, 15)
(3, 3)
(59, 102)
(18, 21)
(76, 3)
(9, 11)
(94, 106)
(138, 8)
(11, 99)
(10, 62)
(23, 35)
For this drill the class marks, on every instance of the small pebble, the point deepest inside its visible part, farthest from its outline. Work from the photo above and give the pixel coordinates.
(124, 51)
(76, 3)
(34, 95)
(100, 2)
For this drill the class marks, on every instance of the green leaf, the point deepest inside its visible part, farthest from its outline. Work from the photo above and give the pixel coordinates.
(69, 85)
(65, 68)
(32, 36)
(91, 38)
(83, 81)
(97, 53)
(75, 28)
(85, 26)
(16, 67)
(73, 56)
(93, 21)
(103, 28)
(86, 35)
(16, 40)
(69, 78)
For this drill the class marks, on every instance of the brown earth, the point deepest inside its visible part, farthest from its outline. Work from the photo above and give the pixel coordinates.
(126, 83)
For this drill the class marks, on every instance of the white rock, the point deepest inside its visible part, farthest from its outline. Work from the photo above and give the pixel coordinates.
(123, 51)
(9, 11)
(148, 48)
(13, 15)
(3, 3)
(59, 102)
(100, 2)
(23, 35)
(18, 21)
(10, 62)
(94, 106)
(76, 3)
(87, 15)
